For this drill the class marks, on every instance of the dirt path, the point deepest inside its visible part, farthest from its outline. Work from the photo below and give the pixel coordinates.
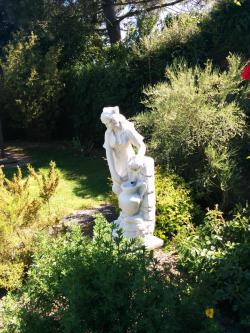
(14, 156)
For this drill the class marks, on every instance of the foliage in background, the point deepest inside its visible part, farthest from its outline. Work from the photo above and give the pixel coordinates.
(20, 219)
(215, 257)
(93, 74)
(174, 206)
(225, 29)
(102, 285)
(32, 84)
(192, 122)
(88, 89)
(141, 60)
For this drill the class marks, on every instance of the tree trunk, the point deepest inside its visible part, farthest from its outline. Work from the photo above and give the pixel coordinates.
(2, 154)
(112, 25)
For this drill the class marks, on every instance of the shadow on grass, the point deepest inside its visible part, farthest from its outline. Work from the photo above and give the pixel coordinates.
(90, 174)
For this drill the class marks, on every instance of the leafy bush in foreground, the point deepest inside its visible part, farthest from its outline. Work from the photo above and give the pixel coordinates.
(102, 285)
(215, 257)
(20, 219)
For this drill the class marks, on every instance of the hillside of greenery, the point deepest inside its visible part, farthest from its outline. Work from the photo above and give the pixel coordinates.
(181, 85)
(58, 75)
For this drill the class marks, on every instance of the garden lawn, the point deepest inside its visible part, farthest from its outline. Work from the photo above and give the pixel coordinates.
(84, 180)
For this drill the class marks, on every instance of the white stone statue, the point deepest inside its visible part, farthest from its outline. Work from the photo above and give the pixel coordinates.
(132, 174)
(120, 138)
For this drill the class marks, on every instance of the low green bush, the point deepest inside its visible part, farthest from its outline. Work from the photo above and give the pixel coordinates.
(174, 206)
(78, 285)
(215, 257)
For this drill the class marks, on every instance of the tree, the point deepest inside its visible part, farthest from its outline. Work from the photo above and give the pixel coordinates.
(2, 153)
(116, 11)
(104, 16)
(32, 84)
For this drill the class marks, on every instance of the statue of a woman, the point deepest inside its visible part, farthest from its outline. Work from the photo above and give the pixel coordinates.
(122, 142)
(133, 177)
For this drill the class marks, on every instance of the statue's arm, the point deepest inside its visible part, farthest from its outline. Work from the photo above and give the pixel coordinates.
(110, 159)
(137, 141)
(141, 149)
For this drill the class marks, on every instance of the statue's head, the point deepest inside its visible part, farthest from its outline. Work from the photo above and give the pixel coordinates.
(135, 168)
(111, 117)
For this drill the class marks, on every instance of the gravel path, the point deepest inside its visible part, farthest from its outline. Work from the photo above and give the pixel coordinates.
(85, 218)
(14, 157)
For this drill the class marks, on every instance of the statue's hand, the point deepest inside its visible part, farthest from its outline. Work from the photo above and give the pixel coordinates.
(136, 162)
(124, 179)
(116, 178)
(116, 188)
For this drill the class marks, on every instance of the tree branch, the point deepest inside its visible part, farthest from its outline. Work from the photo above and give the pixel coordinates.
(130, 2)
(136, 12)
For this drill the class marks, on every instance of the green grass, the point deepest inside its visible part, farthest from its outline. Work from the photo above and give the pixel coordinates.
(84, 180)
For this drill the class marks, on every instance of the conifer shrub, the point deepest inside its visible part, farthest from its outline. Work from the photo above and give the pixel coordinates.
(192, 122)
(20, 219)
(77, 284)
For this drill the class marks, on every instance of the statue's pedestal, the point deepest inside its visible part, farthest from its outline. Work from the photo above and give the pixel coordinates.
(138, 228)
(149, 241)
(137, 204)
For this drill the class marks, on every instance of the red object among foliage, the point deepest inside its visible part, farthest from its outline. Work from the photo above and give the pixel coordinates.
(245, 74)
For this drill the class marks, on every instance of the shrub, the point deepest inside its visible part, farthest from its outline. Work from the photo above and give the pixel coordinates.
(178, 38)
(89, 85)
(174, 206)
(20, 219)
(191, 125)
(102, 285)
(32, 84)
(215, 256)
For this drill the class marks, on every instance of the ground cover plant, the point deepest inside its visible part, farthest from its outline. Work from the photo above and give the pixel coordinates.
(102, 285)
(214, 257)
(57, 72)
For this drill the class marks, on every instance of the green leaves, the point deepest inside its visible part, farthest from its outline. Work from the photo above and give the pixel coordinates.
(174, 206)
(192, 122)
(77, 284)
(20, 219)
(215, 257)
(32, 82)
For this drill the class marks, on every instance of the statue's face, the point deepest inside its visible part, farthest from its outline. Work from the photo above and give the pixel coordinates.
(112, 123)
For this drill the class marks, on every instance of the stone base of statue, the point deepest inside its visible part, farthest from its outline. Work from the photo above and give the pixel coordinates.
(137, 204)
(152, 242)
(137, 228)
